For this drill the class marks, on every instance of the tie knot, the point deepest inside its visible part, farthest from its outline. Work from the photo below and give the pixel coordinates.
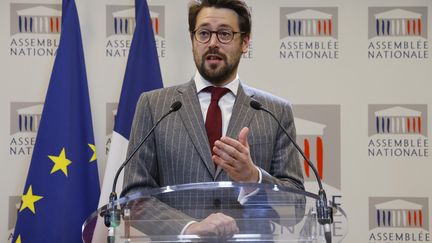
(216, 92)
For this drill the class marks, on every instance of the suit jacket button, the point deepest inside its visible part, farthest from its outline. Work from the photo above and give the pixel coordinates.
(217, 203)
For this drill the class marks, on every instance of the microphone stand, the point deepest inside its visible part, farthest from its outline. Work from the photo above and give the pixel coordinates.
(324, 212)
(112, 215)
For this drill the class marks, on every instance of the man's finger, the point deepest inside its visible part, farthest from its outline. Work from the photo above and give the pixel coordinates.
(243, 136)
(226, 151)
(237, 145)
(227, 166)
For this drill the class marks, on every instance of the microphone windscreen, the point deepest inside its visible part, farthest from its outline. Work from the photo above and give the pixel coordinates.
(176, 106)
(255, 104)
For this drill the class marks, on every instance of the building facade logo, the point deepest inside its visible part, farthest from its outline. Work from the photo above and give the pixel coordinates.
(309, 33)
(398, 33)
(34, 29)
(24, 123)
(120, 26)
(318, 134)
(394, 219)
(398, 131)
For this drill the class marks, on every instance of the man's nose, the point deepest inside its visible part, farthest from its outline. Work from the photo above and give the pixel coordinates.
(214, 41)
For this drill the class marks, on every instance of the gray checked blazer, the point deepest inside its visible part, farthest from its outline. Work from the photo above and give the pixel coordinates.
(178, 151)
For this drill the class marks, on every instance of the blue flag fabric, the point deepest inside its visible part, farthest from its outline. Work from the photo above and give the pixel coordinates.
(62, 187)
(142, 70)
(142, 74)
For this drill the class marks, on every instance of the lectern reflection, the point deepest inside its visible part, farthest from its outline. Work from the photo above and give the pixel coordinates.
(257, 213)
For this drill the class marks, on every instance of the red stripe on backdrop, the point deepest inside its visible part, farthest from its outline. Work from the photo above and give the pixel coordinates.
(319, 27)
(330, 26)
(408, 125)
(157, 26)
(414, 124)
(408, 27)
(419, 26)
(409, 218)
(320, 152)
(307, 153)
(57, 24)
(51, 24)
(414, 26)
(420, 218)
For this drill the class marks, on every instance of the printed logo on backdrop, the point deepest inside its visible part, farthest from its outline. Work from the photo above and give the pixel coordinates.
(398, 131)
(120, 26)
(111, 112)
(14, 205)
(34, 29)
(309, 33)
(318, 134)
(398, 219)
(398, 33)
(24, 123)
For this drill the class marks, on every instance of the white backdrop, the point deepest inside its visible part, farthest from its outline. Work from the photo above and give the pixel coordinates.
(366, 61)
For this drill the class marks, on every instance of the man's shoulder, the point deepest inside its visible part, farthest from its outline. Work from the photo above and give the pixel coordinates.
(164, 92)
(265, 98)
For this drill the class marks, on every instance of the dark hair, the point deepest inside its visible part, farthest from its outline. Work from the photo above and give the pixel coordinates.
(238, 6)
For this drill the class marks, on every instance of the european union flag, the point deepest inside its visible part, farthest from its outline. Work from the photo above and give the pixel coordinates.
(62, 187)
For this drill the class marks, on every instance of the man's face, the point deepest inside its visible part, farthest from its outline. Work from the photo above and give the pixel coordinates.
(218, 62)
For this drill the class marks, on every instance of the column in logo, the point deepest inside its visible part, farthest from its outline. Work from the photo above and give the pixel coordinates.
(318, 132)
(309, 23)
(155, 22)
(29, 118)
(398, 22)
(124, 22)
(312, 134)
(399, 214)
(24, 124)
(398, 120)
(39, 19)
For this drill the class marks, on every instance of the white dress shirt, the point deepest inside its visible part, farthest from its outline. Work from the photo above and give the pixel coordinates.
(226, 102)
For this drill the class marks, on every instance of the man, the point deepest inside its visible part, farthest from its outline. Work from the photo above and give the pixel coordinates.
(192, 144)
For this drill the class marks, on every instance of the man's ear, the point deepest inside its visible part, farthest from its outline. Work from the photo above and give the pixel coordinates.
(245, 43)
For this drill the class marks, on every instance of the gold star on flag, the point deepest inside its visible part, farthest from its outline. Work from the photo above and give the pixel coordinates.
(18, 239)
(28, 201)
(60, 162)
(93, 148)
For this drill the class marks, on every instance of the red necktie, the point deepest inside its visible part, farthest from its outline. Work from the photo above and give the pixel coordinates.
(213, 122)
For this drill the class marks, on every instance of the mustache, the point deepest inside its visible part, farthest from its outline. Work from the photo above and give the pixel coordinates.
(214, 51)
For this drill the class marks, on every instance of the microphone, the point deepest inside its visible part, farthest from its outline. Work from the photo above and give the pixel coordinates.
(112, 218)
(324, 212)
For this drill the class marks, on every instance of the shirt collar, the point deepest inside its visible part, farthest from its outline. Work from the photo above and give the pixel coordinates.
(201, 83)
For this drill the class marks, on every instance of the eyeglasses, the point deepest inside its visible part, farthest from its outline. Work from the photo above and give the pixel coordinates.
(224, 36)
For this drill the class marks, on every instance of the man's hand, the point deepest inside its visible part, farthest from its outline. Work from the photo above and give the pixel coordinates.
(234, 157)
(217, 224)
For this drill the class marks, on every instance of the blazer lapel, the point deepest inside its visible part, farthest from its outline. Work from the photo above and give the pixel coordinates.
(242, 114)
(192, 118)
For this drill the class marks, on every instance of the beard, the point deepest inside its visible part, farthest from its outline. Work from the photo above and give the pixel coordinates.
(217, 74)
